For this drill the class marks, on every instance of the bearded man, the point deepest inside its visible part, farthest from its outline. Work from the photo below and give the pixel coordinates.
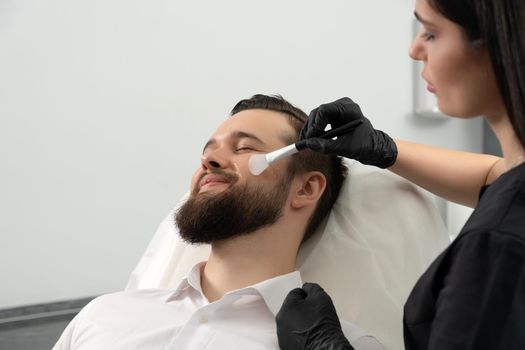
(255, 226)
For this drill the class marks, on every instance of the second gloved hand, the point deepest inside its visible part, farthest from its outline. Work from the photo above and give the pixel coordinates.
(363, 142)
(308, 320)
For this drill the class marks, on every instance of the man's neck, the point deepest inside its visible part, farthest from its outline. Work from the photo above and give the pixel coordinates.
(244, 261)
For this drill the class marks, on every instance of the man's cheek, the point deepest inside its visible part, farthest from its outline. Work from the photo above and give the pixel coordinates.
(242, 168)
(195, 182)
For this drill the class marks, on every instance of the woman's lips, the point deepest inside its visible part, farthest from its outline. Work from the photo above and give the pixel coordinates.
(430, 87)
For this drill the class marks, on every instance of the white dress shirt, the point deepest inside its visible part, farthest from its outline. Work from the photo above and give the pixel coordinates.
(185, 319)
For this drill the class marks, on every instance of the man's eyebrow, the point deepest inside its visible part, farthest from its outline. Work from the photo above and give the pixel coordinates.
(208, 144)
(246, 135)
(421, 19)
(236, 135)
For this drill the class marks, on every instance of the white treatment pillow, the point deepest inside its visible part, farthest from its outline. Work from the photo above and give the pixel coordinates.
(381, 235)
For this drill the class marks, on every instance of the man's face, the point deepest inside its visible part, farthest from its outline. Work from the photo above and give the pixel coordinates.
(226, 199)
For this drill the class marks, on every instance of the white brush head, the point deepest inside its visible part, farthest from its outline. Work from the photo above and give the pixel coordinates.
(257, 164)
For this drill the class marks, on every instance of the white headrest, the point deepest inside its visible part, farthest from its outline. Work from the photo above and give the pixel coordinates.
(380, 236)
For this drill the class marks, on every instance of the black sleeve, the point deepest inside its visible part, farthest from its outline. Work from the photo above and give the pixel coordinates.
(481, 304)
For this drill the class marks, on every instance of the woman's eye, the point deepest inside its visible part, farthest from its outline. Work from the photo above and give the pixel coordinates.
(427, 36)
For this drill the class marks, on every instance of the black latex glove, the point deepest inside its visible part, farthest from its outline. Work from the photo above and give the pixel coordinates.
(363, 142)
(308, 320)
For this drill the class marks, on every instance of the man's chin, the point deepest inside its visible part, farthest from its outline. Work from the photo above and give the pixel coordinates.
(220, 213)
(190, 239)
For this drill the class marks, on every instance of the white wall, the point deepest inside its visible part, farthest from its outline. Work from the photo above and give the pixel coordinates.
(105, 106)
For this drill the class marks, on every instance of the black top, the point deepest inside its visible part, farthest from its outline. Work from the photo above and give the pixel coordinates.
(473, 295)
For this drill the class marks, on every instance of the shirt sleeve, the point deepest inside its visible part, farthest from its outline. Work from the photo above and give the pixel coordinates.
(481, 304)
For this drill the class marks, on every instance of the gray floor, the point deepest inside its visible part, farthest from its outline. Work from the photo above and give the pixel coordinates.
(32, 335)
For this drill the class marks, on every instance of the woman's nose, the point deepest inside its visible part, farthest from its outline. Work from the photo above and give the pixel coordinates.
(417, 48)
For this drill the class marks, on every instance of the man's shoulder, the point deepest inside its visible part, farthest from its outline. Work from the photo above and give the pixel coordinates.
(138, 294)
(124, 299)
(113, 313)
(360, 338)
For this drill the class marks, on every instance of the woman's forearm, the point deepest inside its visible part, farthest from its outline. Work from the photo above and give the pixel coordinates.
(454, 175)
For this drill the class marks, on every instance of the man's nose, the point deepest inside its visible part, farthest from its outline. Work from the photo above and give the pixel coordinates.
(215, 159)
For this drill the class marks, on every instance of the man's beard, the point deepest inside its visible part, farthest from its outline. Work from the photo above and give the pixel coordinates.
(236, 211)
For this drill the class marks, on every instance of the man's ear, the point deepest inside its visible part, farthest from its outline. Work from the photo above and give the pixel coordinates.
(309, 187)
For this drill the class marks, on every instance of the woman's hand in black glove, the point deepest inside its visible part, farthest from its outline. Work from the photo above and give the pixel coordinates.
(308, 320)
(363, 142)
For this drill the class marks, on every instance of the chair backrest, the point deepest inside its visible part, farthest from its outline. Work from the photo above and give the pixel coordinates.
(382, 233)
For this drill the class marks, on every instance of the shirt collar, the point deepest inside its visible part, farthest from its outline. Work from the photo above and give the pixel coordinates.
(192, 279)
(273, 290)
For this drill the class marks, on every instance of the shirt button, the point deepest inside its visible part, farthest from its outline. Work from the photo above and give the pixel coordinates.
(203, 319)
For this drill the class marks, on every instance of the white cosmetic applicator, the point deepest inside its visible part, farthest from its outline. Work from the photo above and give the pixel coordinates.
(259, 162)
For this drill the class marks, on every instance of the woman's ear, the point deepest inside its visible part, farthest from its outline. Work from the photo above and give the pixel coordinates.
(310, 186)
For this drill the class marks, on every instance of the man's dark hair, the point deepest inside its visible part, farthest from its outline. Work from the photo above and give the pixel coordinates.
(331, 166)
(498, 26)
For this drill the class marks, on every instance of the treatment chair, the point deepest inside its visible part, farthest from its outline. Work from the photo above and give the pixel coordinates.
(381, 235)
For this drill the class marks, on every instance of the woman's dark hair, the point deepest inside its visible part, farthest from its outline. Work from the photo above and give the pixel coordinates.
(499, 25)
(331, 166)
